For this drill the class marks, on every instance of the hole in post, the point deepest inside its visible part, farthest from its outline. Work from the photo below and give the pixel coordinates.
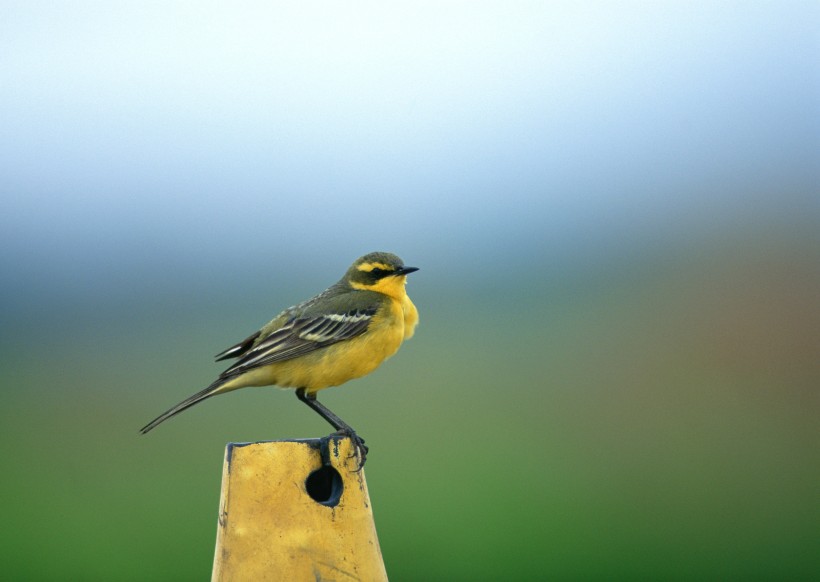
(324, 486)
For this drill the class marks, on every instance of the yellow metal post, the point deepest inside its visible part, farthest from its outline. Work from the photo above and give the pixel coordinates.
(295, 510)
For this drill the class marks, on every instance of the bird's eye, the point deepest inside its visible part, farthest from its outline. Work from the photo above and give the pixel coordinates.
(379, 273)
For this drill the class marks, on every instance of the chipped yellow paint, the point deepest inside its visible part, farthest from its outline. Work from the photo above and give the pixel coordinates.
(270, 528)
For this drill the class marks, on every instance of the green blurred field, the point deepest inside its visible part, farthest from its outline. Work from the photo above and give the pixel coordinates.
(649, 417)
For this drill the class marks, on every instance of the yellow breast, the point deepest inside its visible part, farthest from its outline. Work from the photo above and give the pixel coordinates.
(394, 287)
(411, 317)
(361, 355)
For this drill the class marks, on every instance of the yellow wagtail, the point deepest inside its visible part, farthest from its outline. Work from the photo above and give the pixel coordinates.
(343, 333)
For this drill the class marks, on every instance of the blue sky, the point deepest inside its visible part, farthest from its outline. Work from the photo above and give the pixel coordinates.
(253, 133)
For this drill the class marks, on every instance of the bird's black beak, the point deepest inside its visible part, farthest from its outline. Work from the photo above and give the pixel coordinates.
(406, 270)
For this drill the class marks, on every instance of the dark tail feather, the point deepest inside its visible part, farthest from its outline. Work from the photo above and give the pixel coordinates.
(211, 390)
(238, 349)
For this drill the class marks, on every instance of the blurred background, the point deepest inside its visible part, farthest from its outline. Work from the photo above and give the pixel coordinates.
(615, 210)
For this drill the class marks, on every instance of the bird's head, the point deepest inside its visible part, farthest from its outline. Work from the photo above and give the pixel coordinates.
(380, 272)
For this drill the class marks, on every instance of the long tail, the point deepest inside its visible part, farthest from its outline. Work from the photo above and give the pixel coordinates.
(211, 390)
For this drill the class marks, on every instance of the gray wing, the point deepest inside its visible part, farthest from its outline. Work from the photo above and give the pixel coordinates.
(300, 336)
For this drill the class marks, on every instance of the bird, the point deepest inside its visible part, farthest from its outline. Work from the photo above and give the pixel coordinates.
(343, 333)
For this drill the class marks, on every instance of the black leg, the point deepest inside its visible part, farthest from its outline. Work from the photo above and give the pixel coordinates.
(342, 428)
(324, 411)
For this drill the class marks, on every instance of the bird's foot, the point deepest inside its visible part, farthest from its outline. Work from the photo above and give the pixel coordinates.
(360, 449)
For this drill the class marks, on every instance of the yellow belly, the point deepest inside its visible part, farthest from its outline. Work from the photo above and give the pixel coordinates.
(340, 362)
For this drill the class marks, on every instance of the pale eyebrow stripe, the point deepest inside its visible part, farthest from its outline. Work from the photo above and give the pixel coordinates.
(367, 267)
